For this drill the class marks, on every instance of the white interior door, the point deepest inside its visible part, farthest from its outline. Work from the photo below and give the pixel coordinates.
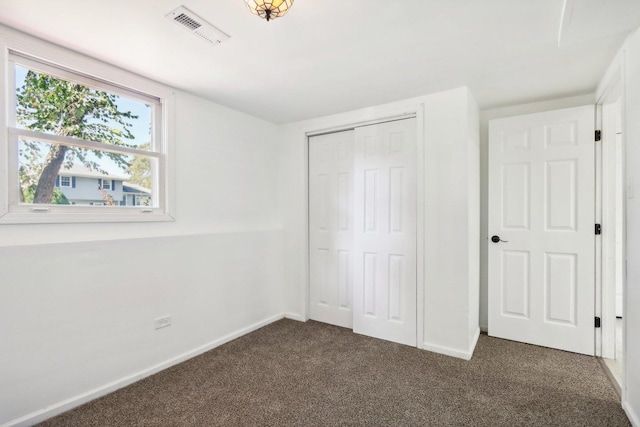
(385, 231)
(331, 228)
(541, 206)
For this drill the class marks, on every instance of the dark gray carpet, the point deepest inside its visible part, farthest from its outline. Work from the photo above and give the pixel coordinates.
(312, 374)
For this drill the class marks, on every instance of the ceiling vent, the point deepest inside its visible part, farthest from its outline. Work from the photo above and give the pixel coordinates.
(196, 25)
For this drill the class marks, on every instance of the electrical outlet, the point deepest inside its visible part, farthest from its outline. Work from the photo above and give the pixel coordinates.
(163, 322)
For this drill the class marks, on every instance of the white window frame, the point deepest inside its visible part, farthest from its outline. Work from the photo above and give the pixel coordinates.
(66, 186)
(42, 56)
(104, 181)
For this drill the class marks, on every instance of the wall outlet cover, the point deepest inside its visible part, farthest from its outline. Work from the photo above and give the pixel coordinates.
(163, 322)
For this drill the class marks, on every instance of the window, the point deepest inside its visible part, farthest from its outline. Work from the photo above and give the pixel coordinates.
(94, 132)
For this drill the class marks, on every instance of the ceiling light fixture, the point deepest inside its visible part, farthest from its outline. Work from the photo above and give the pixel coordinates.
(269, 9)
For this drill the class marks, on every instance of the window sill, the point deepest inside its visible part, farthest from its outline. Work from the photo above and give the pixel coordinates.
(69, 218)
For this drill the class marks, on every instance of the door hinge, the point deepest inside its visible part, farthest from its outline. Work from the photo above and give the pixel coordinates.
(597, 322)
(598, 229)
(598, 135)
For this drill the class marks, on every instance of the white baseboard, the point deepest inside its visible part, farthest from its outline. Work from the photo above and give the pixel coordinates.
(65, 405)
(633, 417)
(447, 351)
(474, 342)
(294, 316)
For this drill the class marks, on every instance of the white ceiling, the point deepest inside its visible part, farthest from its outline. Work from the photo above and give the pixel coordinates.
(329, 56)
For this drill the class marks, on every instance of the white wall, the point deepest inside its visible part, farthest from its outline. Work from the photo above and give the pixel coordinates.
(77, 301)
(631, 135)
(474, 191)
(485, 117)
(451, 228)
(448, 293)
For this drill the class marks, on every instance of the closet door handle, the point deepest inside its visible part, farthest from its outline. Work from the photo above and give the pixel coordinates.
(496, 239)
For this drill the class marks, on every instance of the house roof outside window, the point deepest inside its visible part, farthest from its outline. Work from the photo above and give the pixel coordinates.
(85, 172)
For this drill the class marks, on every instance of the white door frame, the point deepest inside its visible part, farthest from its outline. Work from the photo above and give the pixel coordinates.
(605, 206)
(605, 294)
(333, 124)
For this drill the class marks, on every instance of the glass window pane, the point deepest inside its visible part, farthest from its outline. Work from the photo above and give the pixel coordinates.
(60, 174)
(53, 105)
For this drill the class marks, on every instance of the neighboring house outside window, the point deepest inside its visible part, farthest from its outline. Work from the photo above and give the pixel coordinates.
(136, 195)
(85, 186)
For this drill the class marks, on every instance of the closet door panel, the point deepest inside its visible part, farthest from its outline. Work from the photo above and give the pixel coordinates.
(331, 209)
(385, 231)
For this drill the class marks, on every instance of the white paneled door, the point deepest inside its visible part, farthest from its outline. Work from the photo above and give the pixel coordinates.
(541, 229)
(385, 231)
(331, 228)
(362, 230)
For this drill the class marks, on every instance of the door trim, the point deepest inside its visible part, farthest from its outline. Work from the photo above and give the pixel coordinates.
(352, 126)
(331, 125)
(610, 90)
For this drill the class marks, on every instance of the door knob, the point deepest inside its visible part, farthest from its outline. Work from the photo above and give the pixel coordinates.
(496, 239)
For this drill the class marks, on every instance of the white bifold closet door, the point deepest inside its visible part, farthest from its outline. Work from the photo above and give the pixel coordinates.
(385, 239)
(362, 233)
(331, 228)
